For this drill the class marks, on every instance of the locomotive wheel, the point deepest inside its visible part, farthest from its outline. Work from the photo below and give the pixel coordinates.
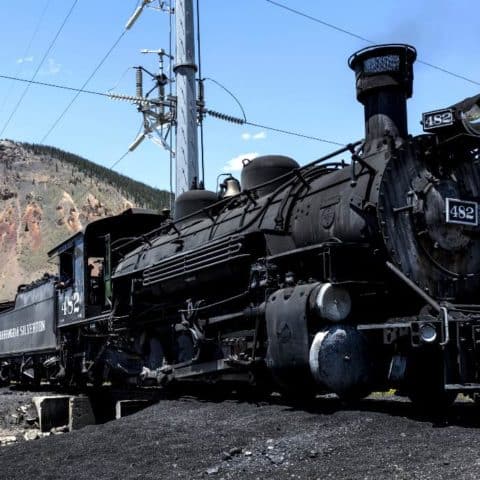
(98, 375)
(259, 386)
(425, 377)
(476, 399)
(39, 375)
(298, 396)
(353, 397)
(437, 399)
(4, 376)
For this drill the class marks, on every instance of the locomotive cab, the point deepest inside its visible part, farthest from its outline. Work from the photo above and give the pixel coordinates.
(83, 263)
(85, 259)
(71, 285)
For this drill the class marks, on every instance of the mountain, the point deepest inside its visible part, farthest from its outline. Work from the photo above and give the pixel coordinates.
(46, 195)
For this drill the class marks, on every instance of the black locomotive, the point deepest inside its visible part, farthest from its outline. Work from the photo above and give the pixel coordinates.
(338, 276)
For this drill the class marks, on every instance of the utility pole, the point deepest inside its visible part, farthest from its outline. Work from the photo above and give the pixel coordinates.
(185, 70)
(182, 109)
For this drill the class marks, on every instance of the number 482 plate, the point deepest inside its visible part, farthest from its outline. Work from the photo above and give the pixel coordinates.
(437, 119)
(461, 212)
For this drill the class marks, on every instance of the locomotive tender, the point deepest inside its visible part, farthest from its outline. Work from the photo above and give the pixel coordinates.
(342, 277)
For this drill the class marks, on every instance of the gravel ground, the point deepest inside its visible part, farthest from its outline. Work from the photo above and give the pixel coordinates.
(17, 414)
(191, 437)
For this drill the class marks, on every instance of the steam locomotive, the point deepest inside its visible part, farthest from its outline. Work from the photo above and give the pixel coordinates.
(357, 272)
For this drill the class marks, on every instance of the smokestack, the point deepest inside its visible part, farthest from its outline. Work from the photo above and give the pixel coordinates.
(384, 78)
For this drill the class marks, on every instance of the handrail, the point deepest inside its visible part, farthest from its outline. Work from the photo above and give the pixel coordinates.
(293, 173)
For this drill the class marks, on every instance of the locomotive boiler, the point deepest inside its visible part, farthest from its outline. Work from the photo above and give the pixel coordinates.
(359, 271)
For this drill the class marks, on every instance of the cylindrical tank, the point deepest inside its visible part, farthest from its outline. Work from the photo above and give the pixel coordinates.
(265, 168)
(193, 201)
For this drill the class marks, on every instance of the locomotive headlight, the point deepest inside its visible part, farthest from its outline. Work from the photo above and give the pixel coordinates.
(471, 120)
(428, 333)
(332, 302)
(463, 117)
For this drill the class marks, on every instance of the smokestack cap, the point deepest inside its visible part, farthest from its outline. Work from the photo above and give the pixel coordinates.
(383, 67)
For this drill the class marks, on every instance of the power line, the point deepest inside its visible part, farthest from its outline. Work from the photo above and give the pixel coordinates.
(244, 121)
(26, 52)
(363, 39)
(86, 189)
(223, 87)
(241, 121)
(322, 22)
(52, 43)
(448, 72)
(81, 89)
(120, 159)
(114, 164)
(54, 85)
(296, 134)
(213, 113)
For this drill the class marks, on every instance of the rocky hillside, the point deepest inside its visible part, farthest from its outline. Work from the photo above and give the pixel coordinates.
(46, 195)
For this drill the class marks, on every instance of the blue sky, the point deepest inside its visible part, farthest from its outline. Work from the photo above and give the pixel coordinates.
(288, 72)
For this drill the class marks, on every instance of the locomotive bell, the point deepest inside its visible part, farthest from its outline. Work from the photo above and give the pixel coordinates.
(230, 187)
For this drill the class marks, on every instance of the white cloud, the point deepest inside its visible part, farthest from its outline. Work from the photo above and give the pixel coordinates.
(253, 136)
(52, 67)
(25, 60)
(236, 163)
(259, 136)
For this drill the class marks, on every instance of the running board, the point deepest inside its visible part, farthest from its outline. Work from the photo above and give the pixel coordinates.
(198, 369)
(462, 387)
(228, 369)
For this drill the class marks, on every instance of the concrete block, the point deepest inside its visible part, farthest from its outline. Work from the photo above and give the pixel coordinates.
(80, 413)
(124, 408)
(8, 439)
(53, 411)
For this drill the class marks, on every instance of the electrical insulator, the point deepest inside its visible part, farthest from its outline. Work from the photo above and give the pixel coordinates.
(139, 82)
(134, 17)
(137, 142)
(226, 118)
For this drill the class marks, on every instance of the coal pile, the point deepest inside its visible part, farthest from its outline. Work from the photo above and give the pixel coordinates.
(191, 437)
